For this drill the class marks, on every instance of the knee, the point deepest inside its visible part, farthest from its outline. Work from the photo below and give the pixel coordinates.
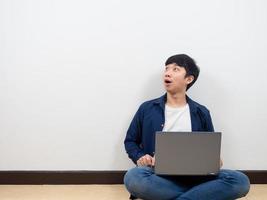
(134, 178)
(239, 181)
(130, 177)
(243, 183)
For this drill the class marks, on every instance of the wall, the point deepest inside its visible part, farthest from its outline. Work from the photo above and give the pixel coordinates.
(73, 73)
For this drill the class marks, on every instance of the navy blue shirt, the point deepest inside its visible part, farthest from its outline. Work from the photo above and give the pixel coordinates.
(150, 118)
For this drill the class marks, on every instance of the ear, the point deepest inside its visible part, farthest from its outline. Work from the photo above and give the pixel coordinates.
(189, 79)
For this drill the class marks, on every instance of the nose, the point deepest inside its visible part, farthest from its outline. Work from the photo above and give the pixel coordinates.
(167, 74)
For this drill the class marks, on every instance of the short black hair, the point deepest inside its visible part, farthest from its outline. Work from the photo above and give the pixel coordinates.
(186, 62)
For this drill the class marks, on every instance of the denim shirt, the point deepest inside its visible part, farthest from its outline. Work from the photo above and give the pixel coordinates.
(150, 118)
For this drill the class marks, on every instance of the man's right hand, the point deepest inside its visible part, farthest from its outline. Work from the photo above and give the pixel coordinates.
(146, 160)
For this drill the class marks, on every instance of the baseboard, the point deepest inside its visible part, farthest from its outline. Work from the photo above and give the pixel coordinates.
(256, 176)
(88, 177)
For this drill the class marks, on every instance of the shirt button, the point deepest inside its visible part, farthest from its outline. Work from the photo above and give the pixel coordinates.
(162, 125)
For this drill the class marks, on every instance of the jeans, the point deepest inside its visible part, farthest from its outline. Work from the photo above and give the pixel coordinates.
(143, 183)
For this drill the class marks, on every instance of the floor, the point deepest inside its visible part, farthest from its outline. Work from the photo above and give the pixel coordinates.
(88, 192)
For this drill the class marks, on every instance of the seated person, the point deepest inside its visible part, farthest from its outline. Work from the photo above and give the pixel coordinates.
(175, 111)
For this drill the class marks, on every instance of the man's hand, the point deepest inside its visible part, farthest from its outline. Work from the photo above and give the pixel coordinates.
(221, 163)
(146, 160)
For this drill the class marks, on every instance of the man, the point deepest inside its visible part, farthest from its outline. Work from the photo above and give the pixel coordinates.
(174, 111)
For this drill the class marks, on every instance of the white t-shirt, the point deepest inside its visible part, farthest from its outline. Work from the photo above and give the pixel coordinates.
(177, 119)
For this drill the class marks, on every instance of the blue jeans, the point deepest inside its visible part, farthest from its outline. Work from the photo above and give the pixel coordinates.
(143, 183)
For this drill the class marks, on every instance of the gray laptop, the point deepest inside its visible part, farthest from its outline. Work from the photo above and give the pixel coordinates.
(187, 153)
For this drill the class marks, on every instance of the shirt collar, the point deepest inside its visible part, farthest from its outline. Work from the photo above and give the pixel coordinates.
(162, 100)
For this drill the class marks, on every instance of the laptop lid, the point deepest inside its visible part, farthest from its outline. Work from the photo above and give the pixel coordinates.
(187, 153)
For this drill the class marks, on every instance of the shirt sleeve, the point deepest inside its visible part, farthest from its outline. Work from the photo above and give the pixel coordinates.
(209, 125)
(134, 137)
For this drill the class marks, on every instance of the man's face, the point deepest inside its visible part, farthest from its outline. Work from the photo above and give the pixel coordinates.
(174, 78)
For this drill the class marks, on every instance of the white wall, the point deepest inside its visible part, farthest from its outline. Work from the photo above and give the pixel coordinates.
(73, 73)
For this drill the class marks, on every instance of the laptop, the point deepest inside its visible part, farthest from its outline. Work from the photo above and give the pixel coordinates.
(187, 153)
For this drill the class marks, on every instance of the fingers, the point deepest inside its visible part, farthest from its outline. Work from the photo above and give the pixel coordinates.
(153, 161)
(148, 160)
(140, 162)
(145, 160)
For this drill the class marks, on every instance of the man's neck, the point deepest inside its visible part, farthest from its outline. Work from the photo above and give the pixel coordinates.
(176, 100)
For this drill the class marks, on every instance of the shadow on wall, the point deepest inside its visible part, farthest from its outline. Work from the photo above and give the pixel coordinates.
(217, 96)
(211, 93)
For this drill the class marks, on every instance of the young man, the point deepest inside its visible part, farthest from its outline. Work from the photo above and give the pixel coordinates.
(174, 111)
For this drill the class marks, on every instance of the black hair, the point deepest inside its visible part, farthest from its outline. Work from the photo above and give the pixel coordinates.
(186, 62)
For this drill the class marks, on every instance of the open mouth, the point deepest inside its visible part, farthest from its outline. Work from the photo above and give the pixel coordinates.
(167, 81)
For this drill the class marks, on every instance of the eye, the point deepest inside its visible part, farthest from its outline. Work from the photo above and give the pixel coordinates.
(176, 69)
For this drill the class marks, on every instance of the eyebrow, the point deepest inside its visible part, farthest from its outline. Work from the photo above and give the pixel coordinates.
(175, 65)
